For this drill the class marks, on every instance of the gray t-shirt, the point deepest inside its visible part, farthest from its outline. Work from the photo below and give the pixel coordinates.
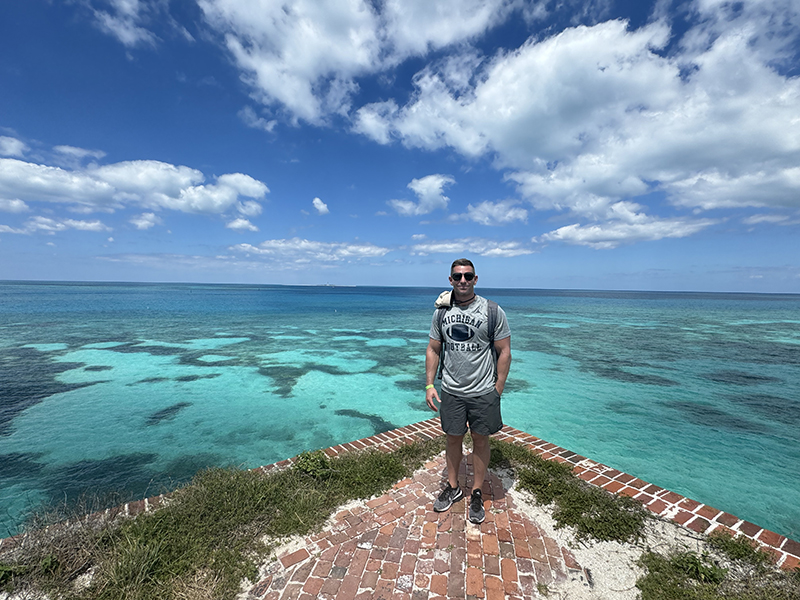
(468, 362)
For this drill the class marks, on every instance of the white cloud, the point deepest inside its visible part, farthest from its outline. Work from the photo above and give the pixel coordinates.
(321, 207)
(79, 153)
(251, 119)
(12, 146)
(125, 21)
(305, 55)
(241, 225)
(430, 191)
(13, 206)
(479, 246)
(592, 116)
(52, 226)
(146, 183)
(625, 226)
(497, 213)
(35, 183)
(297, 251)
(374, 120)
(146, 220)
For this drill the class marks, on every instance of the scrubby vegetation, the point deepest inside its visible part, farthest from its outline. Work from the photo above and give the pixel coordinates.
(729, 569)
(209, 536)
(591, 511)
(212, 533)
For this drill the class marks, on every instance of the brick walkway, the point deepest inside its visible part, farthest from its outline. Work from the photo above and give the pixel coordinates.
(396, 547)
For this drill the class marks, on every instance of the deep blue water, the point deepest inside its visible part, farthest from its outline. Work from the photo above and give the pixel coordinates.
(133, 387)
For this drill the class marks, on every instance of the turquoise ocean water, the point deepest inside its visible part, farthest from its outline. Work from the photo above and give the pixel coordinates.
(132, 387)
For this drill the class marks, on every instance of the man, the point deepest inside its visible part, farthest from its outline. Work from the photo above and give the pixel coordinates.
(471, 382)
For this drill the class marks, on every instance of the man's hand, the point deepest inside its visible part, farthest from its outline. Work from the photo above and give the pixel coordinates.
(503, 348)
(431, 366)
(431, 397)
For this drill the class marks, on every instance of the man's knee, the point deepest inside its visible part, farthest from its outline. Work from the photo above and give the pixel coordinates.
(480, 441)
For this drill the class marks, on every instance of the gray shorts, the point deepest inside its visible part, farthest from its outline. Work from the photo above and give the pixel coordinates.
(481, 412)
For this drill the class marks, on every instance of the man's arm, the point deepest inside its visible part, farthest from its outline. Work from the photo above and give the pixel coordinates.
(431, 367)
(503, 348)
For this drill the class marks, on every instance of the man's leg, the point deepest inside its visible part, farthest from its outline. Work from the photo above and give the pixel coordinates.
(454, 454)
(481, 453)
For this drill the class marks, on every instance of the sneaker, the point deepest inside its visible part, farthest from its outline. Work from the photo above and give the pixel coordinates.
(447, 497)
(476, 512)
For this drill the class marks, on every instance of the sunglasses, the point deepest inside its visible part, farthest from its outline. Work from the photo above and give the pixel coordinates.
(467, 276)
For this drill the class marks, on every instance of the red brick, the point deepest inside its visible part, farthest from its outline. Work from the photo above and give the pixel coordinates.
(537, 550)
(294, 558)
(625, 478)
(379, 501)
(689, 504)
(490, 545)
(601, 481)
(671, 498)
(491, 565)
(569, 559)
(389, 571)
(508, 569)
(408, 563)
(749, 529)
(313, 585)
(474, 582)
(503, 534)
(439, 584)
(792, 547)
(629, 491)
(384, 588)
(727, 519)
(388, 529)
(494, 588)
(429, 530)
(656, 507)
(501, 520)
(518, 530)
(411, 546)
(614, 486)
(349, 588)
(683, 517)
(698, 524)
(771, 538)
(543, 574)
(637, 483)
(790, 563)
(709, 512)
(528, 585)
(369, 580)
(291, 592)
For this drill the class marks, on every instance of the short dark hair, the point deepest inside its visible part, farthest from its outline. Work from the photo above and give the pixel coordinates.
(462, 262)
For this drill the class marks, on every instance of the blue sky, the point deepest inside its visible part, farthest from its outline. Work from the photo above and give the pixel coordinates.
(559, 144)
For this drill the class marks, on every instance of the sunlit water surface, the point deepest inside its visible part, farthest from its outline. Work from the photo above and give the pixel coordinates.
(130, 388)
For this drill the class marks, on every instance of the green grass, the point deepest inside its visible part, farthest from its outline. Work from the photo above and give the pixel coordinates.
(210, 535)
(593, 512)
(747, 574)
(214, 532)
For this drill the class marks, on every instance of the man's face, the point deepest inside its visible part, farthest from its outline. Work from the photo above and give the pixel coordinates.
(459, 281)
